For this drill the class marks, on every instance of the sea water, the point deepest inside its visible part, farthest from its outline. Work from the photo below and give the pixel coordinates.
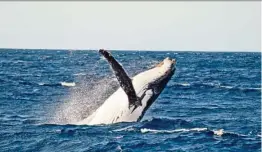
(212, 103)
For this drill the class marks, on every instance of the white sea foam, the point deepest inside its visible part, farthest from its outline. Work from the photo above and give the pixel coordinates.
(119, 137)
(210, 84)
(185, 84)
(128, 128)
(35, 90)
(68, 84)
(218, 85)
(227, 87)
(82, 100)
(146, 130)
(219, 132)
(79, 74)
(41, 83)
(254, 88)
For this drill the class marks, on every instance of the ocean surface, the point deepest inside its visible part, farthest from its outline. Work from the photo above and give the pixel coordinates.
(212, 103)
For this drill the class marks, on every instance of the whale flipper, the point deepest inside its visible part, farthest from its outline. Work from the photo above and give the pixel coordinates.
(124, 81)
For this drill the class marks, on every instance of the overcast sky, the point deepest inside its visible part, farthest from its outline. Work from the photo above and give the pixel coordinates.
(200, 25)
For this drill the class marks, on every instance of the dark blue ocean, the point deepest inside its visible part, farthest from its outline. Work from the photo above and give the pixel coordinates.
(212, 103)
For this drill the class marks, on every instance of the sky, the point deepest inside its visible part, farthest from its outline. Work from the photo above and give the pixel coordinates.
(132, 25)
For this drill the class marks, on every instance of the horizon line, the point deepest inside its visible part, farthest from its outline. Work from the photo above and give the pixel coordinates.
(143, 50)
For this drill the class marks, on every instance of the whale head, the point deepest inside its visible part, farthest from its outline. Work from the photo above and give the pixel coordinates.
(165, 68)
(157, 77)
(149, 84)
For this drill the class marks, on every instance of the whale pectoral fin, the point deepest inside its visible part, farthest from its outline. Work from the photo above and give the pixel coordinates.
(123, 79)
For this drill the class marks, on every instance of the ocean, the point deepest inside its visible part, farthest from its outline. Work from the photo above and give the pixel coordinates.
(212, 102)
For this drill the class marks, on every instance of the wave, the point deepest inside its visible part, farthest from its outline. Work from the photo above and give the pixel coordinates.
(137, 128)
(173, 126)
(221, 132)
(163, 125)
(218, 132)
(227, 87)
(42, 84)
(184, 84)
(215, 132)
(258, 89)
(146, 130)
(66, 84)
(82, 100)
(79, 74)
(128, 128)
(213, 85)
(167, 123)
(49, 84)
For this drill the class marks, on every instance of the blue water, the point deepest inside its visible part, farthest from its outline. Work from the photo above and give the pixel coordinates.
(212, 103)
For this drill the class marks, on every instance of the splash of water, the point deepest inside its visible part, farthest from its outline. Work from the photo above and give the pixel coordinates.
(83, 100)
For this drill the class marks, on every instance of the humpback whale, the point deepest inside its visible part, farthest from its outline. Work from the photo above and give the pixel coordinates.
(135, 95)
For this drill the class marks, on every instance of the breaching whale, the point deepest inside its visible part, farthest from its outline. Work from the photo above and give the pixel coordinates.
(135, 95)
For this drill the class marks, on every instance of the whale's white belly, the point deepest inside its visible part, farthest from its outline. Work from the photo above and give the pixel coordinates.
(114, 109)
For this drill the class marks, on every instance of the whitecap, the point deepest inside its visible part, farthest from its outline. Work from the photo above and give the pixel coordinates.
(219, 132)
(210, 84)
(185, 84)
(68, 84)
(228, 87)
(119, 137)
(254, 88)
(128, 128)
(41, 83)
(241, 88)
(145, 130)
(198, 129)
(77, 74)
(35, 90)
